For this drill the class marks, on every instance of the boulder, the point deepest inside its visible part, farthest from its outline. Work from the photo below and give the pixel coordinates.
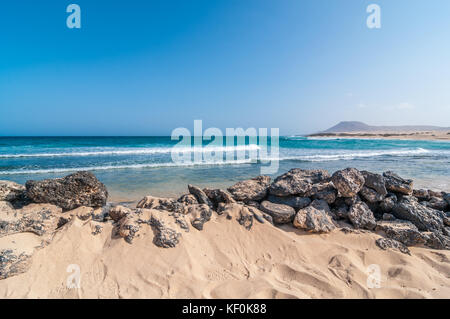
(200, 195)
(295, 202)
(361, 216)
(341, 211)
(446, 197)
(370, 195)
(11, 192)
(402, 231)
(386, 243)
(396, 184)
(348, 182)
(433, 193)
(254, 189)
(70, 192)
(297, 182)
(425, 218)
(375, 182)
(388, 203)
(315, 218)
(446, 221)
(324, 190)
(281, 214)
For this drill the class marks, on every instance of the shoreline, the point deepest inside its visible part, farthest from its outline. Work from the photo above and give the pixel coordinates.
(304, 234)
(411, 136)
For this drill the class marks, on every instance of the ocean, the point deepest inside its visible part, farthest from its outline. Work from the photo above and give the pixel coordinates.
(132, 167)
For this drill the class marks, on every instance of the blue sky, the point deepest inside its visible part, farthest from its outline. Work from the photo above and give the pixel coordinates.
(146, 67)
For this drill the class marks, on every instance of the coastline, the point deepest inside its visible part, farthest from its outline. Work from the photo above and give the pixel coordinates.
(305, 234)
(412, 136)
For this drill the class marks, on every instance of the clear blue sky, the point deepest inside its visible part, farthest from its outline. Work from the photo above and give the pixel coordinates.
(146, 67)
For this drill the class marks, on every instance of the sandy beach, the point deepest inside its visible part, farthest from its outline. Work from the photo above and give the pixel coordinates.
(389, 135)
(227, 261)
(306, 234)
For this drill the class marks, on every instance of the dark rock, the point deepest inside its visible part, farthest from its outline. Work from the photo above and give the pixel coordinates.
(242, 214)
(436, 203)
(348, 182)
(438, 194)
(436, 240)
(325, 191)
(361, 216)
(387, 216)
(70, 192)
(395, 183)
(385, 244)
(446, 196)
(219, 196)
(446, 221)
(315, 218)
(200, 195)
(387, 205)
(281, 214)
(375, 182)
(341, 211)
(370, 195)
(426, 219)
(297, 182)
(293, 201)
(254, 189)
(421, 194)
(161, 203)
(402, 231)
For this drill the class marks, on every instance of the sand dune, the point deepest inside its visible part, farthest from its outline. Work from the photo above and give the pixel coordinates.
(227, 261)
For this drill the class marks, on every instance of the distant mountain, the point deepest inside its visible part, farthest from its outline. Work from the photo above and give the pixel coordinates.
(353, 126)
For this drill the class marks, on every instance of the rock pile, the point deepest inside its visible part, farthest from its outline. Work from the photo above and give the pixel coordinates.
(311, 200)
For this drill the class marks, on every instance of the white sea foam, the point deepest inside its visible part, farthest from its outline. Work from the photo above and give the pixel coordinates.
(138, 151)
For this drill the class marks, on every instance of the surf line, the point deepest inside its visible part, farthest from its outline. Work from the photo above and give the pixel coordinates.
(193, 309)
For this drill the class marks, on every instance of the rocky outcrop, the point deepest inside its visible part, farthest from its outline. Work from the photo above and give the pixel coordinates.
(254, 189)
(14, 262)
(402, 231)
(297, 182)
(243, 214)
(421, 194)
(437, 240)
(388, 203)
(70, 192)
(425, 218)
(315, 218)
(129, 226)
(166, 233)
(361, 216)
(386, 243)
(371, 195)
(188, 199)
(348, 182)
(396, 184)
(436, 203)
(281, 214)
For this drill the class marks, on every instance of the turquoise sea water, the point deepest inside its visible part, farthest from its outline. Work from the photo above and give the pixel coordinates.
(135, 166)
